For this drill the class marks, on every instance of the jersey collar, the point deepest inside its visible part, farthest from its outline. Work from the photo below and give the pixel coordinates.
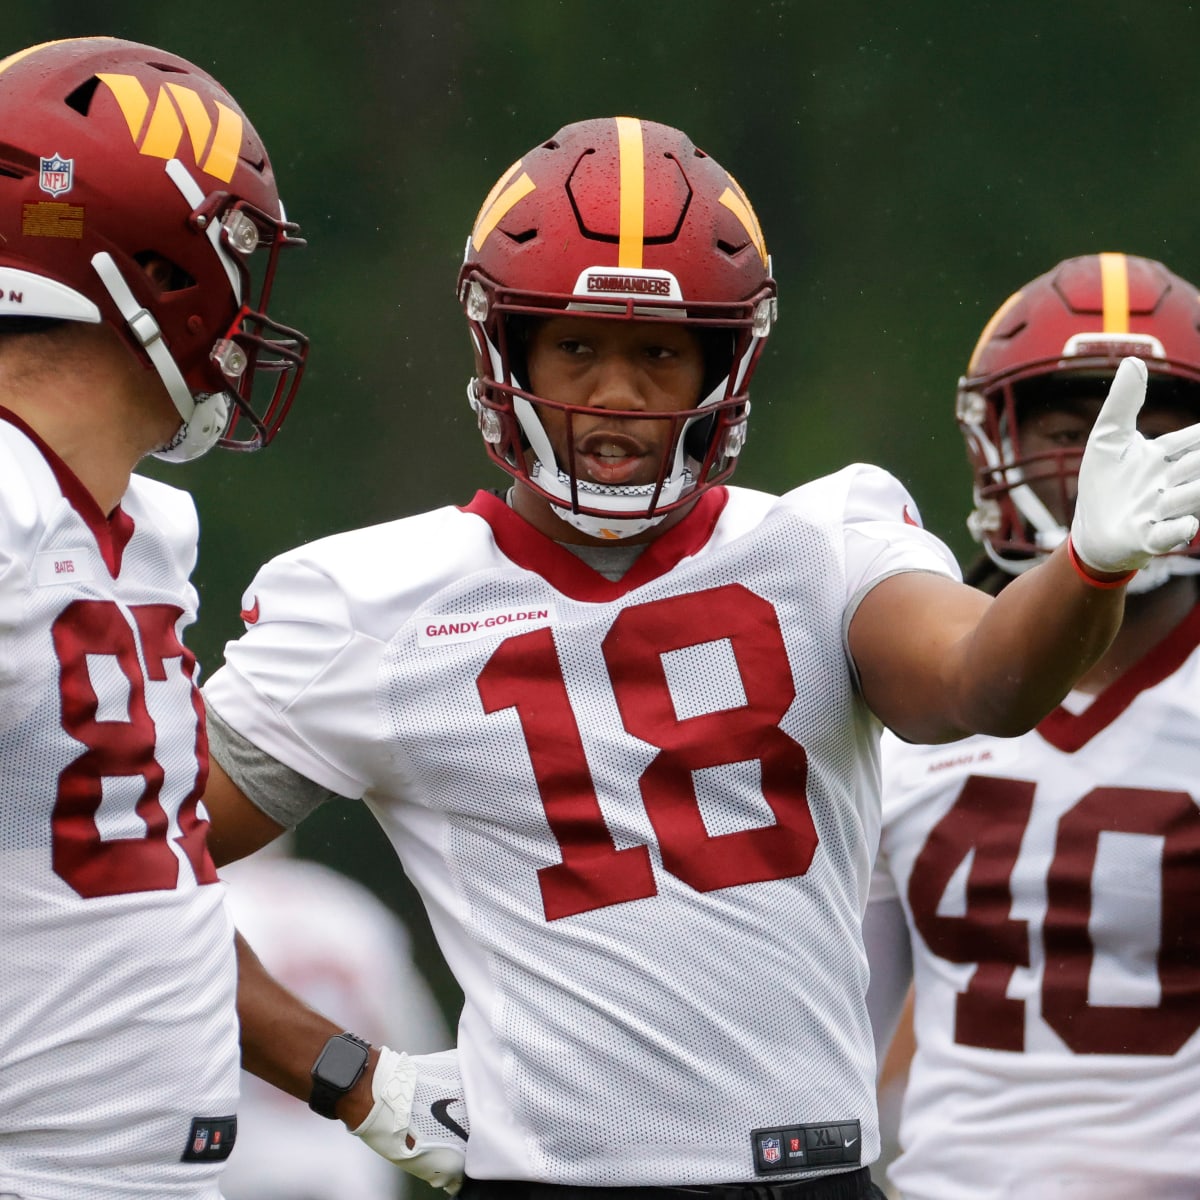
(518, 541)
(112, 532)
(1069, 732)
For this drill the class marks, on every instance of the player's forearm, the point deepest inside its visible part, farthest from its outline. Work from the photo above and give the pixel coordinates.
(1034, 642)
(282, 1037)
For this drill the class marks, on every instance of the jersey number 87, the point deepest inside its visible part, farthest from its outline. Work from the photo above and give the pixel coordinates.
(119, 748)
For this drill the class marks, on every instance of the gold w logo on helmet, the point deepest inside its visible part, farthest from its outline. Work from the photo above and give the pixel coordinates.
(738, 203)
(157, 129)
(504, 194)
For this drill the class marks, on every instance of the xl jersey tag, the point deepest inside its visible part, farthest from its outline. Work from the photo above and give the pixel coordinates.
(62, 566)
(211, 1139)
(802, 1147)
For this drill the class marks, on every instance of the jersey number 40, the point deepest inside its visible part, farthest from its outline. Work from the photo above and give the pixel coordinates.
(987, 822)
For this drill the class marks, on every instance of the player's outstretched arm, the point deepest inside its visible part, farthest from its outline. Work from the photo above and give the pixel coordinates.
(938, 660)
(409, 1109)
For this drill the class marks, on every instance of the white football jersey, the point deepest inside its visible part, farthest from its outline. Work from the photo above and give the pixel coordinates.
(641, 813)
(329, 940)
(118, 1034)
(1050, 884)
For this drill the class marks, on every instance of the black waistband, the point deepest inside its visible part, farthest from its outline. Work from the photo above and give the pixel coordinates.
(847, 1185)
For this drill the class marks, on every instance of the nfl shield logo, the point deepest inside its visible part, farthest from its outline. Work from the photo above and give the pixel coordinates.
(200, 1142)
(770, 1150)
(57, 174)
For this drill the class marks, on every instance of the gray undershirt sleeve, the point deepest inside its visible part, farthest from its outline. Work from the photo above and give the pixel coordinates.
(286, 796)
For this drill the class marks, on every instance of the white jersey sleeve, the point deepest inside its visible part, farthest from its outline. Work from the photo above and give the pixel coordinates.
(1048, 882)
(305, 650)
(884, 535)
(118, 1034)
(641, 812)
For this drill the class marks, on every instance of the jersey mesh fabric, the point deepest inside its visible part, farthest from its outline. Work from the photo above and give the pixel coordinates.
(1045, 1117)
(118, 1005)
(636, 1037)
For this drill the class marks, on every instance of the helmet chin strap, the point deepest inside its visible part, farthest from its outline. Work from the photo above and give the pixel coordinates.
(204, 417)
(210, 419)
(610, 529)
(624, 500)
(623, 503)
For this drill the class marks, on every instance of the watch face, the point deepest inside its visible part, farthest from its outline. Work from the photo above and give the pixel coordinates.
(340, 1064)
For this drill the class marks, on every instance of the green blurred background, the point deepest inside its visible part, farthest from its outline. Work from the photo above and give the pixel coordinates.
(911, 164)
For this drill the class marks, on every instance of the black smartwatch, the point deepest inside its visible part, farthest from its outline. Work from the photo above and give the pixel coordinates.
(338, 1068)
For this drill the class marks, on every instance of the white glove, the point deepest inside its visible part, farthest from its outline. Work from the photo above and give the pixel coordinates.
(419, 1120)
(1137, 497)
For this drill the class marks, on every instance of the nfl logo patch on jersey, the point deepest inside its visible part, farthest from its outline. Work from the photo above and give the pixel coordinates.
(801, 1147)
(211, 1139)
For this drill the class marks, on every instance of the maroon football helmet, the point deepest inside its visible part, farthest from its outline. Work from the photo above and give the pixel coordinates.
(618, 219)
(1066, 332)
(114, 155)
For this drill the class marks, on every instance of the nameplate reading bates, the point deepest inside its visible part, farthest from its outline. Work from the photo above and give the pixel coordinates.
(53, 567)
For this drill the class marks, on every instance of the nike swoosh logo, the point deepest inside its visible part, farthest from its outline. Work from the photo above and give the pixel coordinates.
(909, 519)
(848, 1142)
(443, 1118)
(250, 615)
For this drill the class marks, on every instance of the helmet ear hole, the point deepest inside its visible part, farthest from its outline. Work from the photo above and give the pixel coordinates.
(81, 98)
(167, 276)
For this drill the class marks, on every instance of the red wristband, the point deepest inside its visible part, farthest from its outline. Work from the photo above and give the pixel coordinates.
(1090, 579)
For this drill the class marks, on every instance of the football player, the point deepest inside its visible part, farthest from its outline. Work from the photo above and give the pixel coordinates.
(136, 205)
(1046, 882)
(621, 719)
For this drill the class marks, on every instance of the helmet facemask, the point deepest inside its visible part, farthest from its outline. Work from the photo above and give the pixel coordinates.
(705, 441)
(259, 360)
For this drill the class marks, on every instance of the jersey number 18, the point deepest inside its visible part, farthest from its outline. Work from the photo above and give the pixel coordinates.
(524, 673)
